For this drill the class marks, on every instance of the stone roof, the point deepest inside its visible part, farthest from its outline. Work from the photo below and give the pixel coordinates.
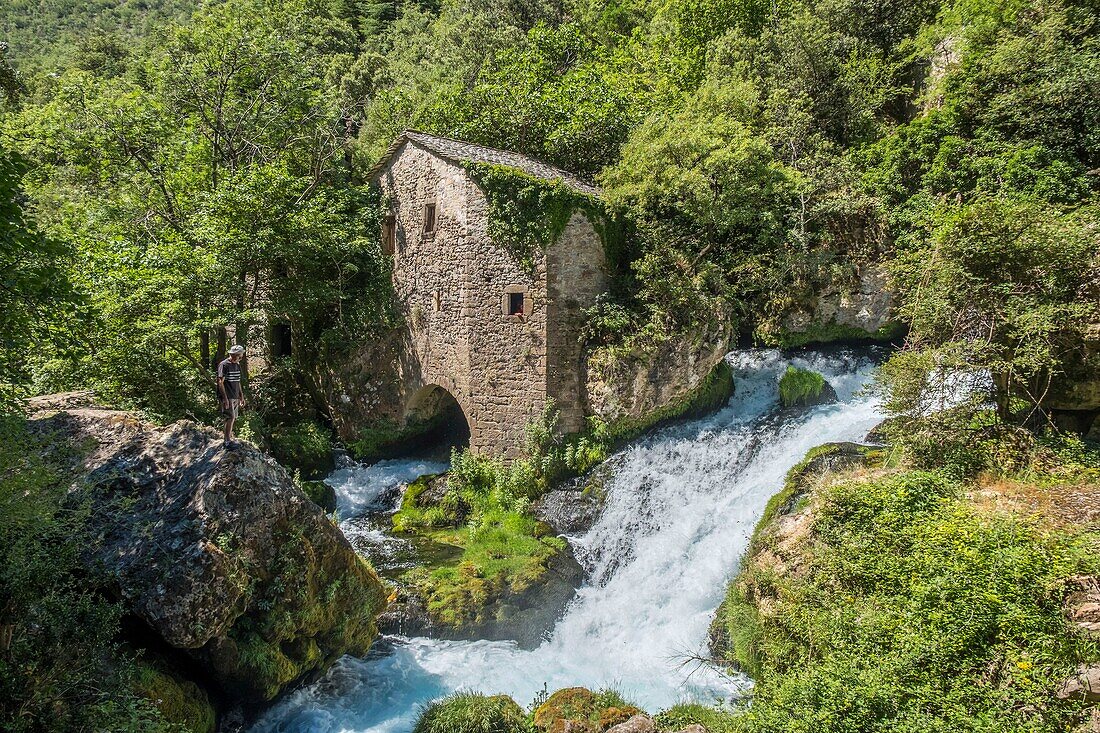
(462, 152)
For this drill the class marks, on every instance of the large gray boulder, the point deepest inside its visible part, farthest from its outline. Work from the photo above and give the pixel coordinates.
(217, 551)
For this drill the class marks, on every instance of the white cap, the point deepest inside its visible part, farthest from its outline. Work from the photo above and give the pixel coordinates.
(238, 349)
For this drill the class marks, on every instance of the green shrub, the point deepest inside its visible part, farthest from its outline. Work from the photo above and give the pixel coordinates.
(800, 386)
(467, 712)
(911, 610)
(681, 716)
(306, 447)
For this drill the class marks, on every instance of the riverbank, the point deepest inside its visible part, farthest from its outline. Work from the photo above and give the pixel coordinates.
(886, 596)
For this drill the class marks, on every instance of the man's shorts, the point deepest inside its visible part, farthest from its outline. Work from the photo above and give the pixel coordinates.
(234, 409)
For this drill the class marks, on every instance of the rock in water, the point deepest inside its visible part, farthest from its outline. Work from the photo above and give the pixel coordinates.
(218, 551)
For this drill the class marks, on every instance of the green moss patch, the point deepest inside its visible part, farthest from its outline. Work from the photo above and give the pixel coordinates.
(467, 712)
(800, 386)
(587, 710)
(180, 701)
(312, 609)
(830, 332)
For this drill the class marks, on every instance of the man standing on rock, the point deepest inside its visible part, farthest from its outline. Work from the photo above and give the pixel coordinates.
(229, 387)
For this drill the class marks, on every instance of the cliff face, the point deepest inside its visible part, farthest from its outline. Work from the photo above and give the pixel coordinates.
(860, 309)
(218, 552)
(631, 391)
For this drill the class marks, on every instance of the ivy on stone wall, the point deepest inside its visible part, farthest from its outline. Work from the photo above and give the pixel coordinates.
(528, 214)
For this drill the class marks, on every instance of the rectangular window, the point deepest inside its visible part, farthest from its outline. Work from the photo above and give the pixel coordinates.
(437, 301)
(429, 218)
(389, 234)
(515, 304)
(281, 345)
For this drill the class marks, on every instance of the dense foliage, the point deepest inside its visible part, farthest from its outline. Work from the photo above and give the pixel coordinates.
(763, 151)
(203, 189)
(908, 606)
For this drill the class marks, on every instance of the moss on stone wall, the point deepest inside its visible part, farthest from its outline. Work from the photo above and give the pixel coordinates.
(528, 214)
(710, 395)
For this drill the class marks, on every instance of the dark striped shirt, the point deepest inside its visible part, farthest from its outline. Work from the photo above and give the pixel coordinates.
(230, 371)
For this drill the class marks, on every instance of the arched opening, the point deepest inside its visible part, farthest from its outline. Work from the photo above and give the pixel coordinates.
(438, 419)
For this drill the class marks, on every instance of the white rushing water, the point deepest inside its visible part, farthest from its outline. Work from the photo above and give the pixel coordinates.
(682, 504)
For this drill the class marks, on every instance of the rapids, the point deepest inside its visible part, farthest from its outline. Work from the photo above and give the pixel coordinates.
(682, 504)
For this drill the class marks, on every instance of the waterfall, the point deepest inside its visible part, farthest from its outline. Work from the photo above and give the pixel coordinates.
(681, 506)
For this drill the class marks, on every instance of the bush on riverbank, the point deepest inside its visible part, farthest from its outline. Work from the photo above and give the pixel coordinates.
(912, 600)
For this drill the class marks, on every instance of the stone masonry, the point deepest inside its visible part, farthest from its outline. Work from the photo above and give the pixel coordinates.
(499, 339)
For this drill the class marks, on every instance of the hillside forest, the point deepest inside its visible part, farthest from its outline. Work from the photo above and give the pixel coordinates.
(173, 171)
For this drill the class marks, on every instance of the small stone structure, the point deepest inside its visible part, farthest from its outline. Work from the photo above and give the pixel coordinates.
(484, 330)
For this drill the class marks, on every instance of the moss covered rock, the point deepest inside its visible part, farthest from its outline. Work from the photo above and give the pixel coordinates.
(179, 700)
(466, 712)
(683, 377)
(584, 710)
(800, 387)
(218, 552)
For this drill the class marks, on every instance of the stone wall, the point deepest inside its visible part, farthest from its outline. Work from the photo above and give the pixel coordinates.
(452, 288)
(577, 275)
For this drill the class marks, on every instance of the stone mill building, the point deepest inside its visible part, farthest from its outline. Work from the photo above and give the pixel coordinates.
(497, 336)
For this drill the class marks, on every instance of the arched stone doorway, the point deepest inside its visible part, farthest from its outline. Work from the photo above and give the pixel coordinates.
(441, 417)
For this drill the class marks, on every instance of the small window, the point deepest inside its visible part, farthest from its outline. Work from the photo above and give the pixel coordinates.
(515, 304)
(437, 301)
(429, 218)
(389, 234)
(281, 345)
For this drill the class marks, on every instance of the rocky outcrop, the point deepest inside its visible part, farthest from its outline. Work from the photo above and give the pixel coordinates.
(571, 510)
(524, 616)
(1084, 684)
(579, 710)
(861, 310)
(684, 376)
(776, 542)
(217, 551)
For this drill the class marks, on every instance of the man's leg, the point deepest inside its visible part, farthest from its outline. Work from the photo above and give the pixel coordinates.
(230, 421)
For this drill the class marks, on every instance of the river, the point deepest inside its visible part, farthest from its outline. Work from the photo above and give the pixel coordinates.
(681, 506)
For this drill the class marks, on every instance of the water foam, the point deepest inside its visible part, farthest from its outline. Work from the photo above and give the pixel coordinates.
(682, 504)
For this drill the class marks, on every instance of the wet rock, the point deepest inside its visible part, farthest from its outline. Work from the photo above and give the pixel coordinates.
(636, 724)
(1084, 684)
(570, 511)
(217, 551)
